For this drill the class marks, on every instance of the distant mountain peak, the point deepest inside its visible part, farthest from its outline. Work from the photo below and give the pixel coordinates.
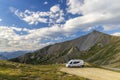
(94, 32)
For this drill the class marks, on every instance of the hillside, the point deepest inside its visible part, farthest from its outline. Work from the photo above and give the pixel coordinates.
(17, 71)
(95, 47)
(108, 55)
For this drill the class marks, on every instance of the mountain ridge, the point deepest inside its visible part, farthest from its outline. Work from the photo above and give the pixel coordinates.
(84, 47)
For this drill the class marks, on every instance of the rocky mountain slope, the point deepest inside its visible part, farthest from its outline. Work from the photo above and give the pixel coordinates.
(95, 47)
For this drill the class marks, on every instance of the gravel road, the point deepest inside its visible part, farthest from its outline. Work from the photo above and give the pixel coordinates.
(93, 73)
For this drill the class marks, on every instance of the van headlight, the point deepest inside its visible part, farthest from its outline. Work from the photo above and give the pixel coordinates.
(67, 65)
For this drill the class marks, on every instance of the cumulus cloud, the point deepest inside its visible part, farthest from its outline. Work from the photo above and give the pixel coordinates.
(35, 39)
(74, 6)
(116, 34)
(32, 17)
(110, 27)
(95, 12)
(31, 41)
(55, 8)
(54, 16)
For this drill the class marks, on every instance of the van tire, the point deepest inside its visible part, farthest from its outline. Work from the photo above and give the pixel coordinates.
(82, 66)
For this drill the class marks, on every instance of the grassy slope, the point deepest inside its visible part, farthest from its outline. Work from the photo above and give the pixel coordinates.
(17, 71)
(108, 55)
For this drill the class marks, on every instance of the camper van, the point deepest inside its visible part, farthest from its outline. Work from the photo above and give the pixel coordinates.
(75, 63)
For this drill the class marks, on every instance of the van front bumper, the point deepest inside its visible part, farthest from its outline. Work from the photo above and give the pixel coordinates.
(67, 65)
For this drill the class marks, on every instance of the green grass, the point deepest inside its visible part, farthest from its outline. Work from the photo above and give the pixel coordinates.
(17, 71)
(107, 55)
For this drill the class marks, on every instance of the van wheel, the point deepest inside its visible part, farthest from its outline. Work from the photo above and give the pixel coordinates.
(82, 65)
(69, 66)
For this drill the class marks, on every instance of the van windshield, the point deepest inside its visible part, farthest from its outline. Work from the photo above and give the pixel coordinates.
(70, 62)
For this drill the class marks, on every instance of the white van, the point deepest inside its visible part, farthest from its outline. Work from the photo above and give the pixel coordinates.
(75, 63)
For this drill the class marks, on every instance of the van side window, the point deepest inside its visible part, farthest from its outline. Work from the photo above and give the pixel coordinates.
(75, 62)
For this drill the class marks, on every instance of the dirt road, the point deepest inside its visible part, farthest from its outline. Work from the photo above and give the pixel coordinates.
(93, 73)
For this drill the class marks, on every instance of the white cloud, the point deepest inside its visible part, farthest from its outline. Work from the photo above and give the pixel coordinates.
(95, 12)
(35, 39)
(45, 2)
(61, 19)
(11, 41)
(116, 34)
(32, 17)
(55, 8)
(54, 16)
(74, 6)
(111, 27)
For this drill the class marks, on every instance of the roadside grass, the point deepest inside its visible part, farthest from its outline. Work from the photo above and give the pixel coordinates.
(17, 71)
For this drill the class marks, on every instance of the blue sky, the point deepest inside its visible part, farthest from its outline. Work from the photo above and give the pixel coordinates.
(33, 24)
(22, 5)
